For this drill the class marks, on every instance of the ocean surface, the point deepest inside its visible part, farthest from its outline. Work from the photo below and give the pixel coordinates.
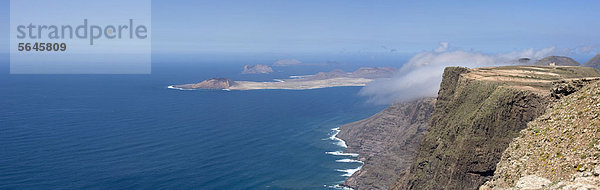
(131, 132)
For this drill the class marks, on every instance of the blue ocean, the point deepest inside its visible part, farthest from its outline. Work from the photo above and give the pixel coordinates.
(132, 132)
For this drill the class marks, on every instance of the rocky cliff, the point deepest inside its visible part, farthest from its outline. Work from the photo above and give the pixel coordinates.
(386, 142)
(477, 114)
(473, 122)
(560, 149)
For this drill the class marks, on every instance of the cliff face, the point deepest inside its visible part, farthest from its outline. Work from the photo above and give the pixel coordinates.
(472, 124)
(386, 142)
(477, 114)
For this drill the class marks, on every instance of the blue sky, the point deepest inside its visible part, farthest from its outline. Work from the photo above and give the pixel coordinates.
(335, 26)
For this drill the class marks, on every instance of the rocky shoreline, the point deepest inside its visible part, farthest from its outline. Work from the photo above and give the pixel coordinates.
(400, 127)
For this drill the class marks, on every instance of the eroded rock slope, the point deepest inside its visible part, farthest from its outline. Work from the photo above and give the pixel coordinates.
(386, 142)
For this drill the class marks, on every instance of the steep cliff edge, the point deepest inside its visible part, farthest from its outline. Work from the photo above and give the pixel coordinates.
(477, 114)
(386, 142)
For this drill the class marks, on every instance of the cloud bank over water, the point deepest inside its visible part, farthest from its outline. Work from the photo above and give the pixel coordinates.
(422, 74)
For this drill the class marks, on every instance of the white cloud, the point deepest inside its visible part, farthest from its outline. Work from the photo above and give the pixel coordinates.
(422, 74)
(443, 47)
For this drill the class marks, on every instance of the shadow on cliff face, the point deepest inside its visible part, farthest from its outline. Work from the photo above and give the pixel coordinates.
(422, 74)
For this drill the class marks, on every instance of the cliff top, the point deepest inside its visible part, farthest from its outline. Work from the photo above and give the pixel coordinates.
(535, 78)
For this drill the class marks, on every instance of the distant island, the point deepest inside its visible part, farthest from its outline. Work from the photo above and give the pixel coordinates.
(257, 69)
(287, 62)
(334, 78)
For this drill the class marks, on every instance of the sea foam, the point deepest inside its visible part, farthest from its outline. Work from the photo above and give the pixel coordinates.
(340, 153)
(337, 140)
(339, 187)
(349, 172)
(342, 143)
(349, 161)
(173, 87)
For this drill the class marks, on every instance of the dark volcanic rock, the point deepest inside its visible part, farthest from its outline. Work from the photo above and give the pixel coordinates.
(257, 69)
(566, 87)
(558, 61)
(594, 62)
(386, 142)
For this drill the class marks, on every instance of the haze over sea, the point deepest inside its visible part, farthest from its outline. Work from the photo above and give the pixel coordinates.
(131, 132)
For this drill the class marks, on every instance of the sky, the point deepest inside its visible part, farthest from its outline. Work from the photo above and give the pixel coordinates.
(347, 27)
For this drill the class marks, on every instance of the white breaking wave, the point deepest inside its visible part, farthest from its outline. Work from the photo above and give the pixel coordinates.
(339, 187)
(173, 87)
(340, 153)
(349, 172)
(278, 80)
(342, 143)
(349, 161)
(338, 141)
